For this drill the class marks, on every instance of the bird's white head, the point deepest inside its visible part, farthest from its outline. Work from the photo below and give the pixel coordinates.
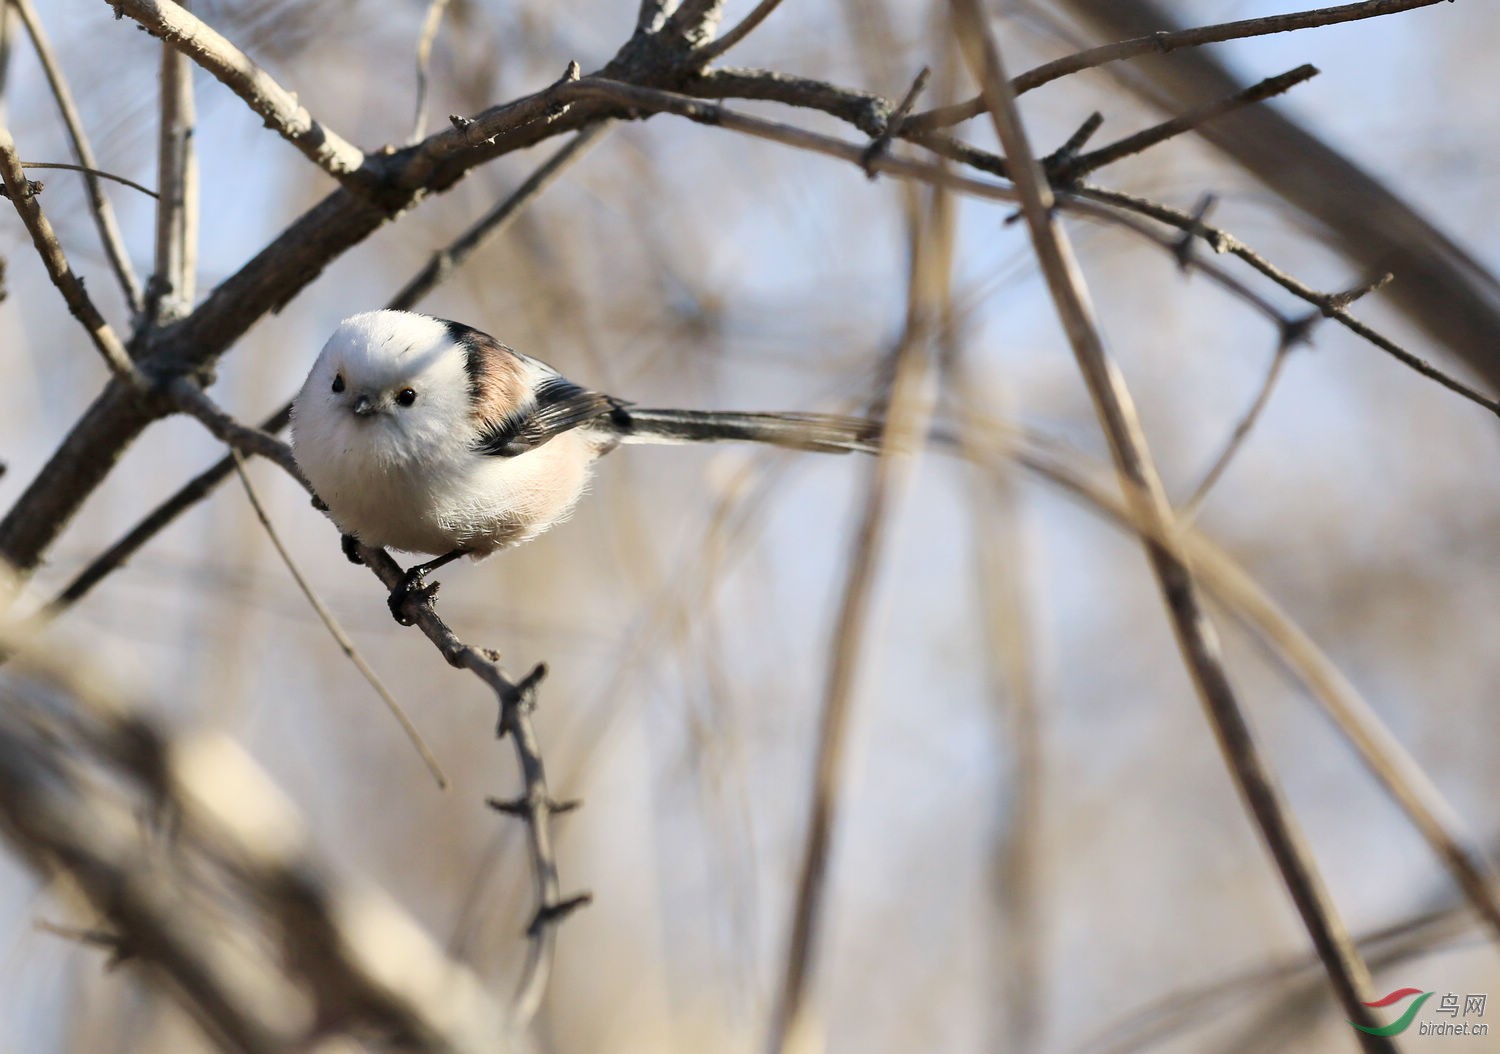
(391, 385)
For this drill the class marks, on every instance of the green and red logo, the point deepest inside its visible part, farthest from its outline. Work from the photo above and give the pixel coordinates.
(1402, 1023)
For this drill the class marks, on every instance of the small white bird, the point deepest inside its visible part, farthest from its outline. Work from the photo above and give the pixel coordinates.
(430, 436)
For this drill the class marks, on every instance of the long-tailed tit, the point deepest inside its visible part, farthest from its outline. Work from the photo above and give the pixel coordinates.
(430, 436)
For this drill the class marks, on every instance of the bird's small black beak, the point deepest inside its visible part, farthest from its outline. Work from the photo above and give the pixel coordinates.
(363, 405)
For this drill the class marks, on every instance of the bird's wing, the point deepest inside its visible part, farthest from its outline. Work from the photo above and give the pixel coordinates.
(559, 406)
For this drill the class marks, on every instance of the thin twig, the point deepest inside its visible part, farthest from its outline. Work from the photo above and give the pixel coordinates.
(471, 134)
(1188, 512)
(1190, 262)
(1187, 241)
(346, 645)
(1332, 305)
(635, 99)
(99, 207)
(882, 142)
(58, 269)
(7, 42)
(132, 184)
(908, 415)
(170, 293)
(1138, 477)
(1158, 1021)
(193, 401)
(430, 23)
(1071, 146)
(1237, 590)
(445, 260)
(442, 264)
(1083, 164)
(747, 25)
(1160, 43)
(1002, 553)
(280, 109)
(189, 495)
(860, 108)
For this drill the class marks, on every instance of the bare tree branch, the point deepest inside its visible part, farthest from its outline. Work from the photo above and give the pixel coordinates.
(430, 23)
(1083, 164)
(1162, 41)
(132, 184)
(1143, 488)
(1331, 305)
(739, 32)
(1188, 512)
(1439, 284)
(173, 286)
(909, 410)
(68, 284)
(346, 645)
(99, 207)
(295, 954)
(180, 29)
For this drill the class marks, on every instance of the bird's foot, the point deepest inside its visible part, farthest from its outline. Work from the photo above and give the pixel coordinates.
(350, 546)
(410, 588)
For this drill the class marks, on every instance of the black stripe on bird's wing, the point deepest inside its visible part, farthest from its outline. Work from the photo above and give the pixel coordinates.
(560, 406)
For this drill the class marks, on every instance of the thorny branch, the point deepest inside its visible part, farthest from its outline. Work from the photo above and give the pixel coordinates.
(1451, 296)
(866, 112)
(1075, 167)
(1330, 305)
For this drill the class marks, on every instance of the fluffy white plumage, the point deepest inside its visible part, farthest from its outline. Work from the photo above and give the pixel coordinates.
(409, 476)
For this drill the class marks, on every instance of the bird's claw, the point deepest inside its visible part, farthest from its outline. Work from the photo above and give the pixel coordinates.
(350, 545)
(408, 589)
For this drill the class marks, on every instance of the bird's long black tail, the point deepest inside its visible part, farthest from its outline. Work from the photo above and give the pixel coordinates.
(825, 433)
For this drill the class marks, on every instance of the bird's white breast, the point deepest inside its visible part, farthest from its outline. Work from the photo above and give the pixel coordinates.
(448, 497)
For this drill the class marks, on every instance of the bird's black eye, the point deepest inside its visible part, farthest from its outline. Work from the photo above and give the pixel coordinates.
(406, 397)
(338, 382)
